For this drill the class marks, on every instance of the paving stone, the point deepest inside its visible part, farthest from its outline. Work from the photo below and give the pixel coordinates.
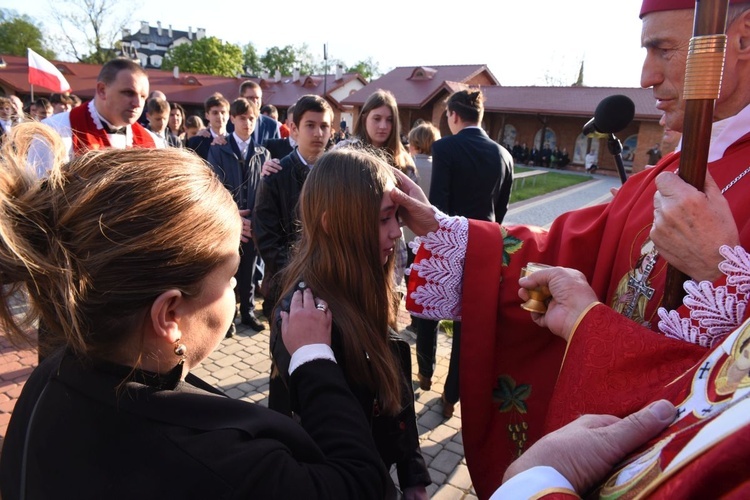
(460, 478)
(456, 448)
(430, 448)
(235, 393)
(227, 360)
(224, 373)
(448, 492)
(442, 434)
(430, 419)
(436, 476)
(431, 489)
(231, 348)
(445, 461)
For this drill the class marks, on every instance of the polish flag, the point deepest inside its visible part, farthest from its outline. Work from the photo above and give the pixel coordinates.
(45, 74)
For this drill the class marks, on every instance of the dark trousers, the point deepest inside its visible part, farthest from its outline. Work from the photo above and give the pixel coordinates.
(245, 291)
(451, 381)
(426, 348)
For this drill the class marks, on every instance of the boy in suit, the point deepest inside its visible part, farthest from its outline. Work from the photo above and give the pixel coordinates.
(217, 111)
(275, 215)
(237, 163)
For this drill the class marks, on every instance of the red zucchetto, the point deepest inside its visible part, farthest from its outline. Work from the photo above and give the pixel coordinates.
(650, 6)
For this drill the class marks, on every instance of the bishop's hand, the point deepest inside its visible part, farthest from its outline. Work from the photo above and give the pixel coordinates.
(571, 295)
(690, 225)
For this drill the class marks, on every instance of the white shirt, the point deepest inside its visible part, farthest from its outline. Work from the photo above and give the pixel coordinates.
(243, 145)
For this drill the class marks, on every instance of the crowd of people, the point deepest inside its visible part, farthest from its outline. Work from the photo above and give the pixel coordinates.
(545, 157)
(138, 245)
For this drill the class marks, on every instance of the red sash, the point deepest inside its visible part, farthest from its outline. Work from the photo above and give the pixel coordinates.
(86, 136)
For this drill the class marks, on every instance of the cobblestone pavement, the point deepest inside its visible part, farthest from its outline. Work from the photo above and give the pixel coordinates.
(240, 366)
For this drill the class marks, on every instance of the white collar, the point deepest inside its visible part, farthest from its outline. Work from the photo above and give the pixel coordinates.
(239, 141)
(302, 159)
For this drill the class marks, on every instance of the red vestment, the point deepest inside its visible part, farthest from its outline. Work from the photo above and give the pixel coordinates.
(509, 365)
(87, 136)
(714, 466)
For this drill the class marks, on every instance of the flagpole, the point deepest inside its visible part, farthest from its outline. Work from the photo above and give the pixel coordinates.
(32, 92)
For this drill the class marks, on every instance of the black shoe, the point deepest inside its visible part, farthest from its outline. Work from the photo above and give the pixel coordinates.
(232, 330)
(253, 323)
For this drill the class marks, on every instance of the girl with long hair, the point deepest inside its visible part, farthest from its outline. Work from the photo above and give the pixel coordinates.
(346, 256)
(378, 126)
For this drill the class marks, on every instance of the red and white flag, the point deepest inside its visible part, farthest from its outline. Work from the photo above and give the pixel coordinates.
(45, 74)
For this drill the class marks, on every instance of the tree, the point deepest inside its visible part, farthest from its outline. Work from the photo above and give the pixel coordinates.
(368, 69)
(208, 56)
(287, 59)
(251, 59)
(91, 28)
(19, 32)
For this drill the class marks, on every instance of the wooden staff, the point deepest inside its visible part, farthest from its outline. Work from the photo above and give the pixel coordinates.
(705, 64)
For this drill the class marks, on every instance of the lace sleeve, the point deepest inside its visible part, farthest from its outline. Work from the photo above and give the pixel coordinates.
(439, 271)
(715, 311)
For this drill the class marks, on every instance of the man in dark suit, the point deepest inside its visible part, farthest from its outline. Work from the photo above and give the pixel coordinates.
(279, 148)
(267, 127)
(237, 163)
(471, 176)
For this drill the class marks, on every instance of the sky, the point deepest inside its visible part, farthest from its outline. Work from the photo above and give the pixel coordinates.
(527, 42)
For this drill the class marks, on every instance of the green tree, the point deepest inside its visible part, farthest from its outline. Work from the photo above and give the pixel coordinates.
(288, 58)
(208, 56)
(283, 59)
(251, 59)
(368, 69)
(19, 32)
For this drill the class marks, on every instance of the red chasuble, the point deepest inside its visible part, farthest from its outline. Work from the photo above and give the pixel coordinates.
(86, 136)
(705, 452)
(508, 364)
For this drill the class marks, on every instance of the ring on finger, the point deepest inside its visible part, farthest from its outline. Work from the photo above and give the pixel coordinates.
(322, 307)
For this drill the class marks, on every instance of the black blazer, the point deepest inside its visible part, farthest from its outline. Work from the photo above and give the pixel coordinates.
(275, 218)
(471, 176)
(160, 439)
(240, 177)
(200, 145)
(278, 148)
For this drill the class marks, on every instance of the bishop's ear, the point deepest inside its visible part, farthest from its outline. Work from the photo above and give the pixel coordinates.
(742, 25)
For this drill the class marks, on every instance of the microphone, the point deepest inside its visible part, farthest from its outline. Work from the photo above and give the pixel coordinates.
(612, 115)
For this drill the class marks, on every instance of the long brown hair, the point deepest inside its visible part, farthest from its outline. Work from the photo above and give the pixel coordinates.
(399, 156)
(101, 237)
(339, 258)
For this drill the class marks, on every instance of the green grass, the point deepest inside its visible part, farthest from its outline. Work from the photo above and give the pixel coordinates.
(551, 181)
(446, 325)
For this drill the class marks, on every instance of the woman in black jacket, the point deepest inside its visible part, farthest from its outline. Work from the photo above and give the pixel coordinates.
(129, 257)
(346, 256)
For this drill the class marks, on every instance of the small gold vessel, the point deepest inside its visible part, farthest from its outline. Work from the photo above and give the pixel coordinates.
(538, 296)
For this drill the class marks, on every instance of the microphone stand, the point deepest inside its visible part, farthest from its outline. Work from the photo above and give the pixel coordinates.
(615, 148)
